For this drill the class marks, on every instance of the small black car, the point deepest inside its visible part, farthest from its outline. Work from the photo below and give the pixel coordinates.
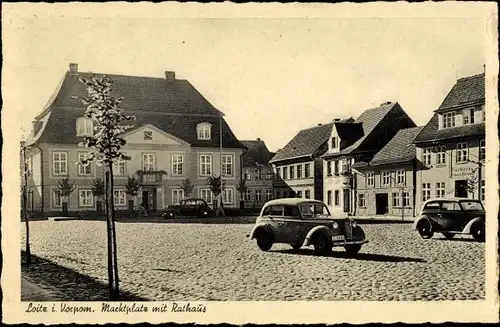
(452, 216)
(192, 207)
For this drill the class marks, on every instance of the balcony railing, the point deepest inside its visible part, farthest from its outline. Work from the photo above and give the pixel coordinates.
(150, 176)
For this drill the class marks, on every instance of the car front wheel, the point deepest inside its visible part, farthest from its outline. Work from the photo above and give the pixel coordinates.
(478, 231)
(204, 213)
(352, 249)
(264, 240)
(169, 214)
(425, 229)
(322, 244)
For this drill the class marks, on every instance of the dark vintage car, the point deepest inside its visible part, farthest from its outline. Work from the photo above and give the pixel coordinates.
(301, 222)
(192, 207)
(450, 217)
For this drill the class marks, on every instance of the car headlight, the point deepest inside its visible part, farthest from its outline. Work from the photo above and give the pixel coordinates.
(335, 225)
(354, 224)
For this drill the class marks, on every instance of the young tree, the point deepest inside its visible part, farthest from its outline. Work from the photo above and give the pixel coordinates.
(471, 184)
(242, 188)
(98, 190)
(216, 185)
(187, 187)
(24, 190)
(131, 189)
(65, 187)
(109, 123)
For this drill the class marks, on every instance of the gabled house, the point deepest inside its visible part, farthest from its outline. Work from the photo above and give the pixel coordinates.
(353, 141)
(385, 185)
(298, 166)
(177, 135)
(451, 148)
(257, 173)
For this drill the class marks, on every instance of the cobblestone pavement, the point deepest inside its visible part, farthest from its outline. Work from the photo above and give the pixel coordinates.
(217, 262)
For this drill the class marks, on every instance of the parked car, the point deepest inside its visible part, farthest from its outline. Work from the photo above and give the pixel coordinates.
(302, 222)
(450, 217)
(193, 207)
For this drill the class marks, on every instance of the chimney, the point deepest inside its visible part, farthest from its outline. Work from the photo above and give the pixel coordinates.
(73, 68)
(320, 124)
(336, 119)
(169, 76)
(385, 103)
(258, 139)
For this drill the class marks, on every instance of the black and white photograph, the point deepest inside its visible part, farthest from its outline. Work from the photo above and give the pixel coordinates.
(317, 163)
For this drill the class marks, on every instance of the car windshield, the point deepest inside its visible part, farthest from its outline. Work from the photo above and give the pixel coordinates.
(471, 205)
(314, 210)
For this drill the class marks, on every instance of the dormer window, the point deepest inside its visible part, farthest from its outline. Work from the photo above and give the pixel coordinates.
(449, 119)
(468, 116)
(148, 135)
(84, 126)
(334, 142)
(204, 131)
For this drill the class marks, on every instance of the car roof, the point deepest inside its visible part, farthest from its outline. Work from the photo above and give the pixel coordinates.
(450, 199)
(291, 201)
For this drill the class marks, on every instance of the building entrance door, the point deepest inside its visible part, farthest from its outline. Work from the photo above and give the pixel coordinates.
(461, 189)
(347, 200)
(381, 204)
(149, 199)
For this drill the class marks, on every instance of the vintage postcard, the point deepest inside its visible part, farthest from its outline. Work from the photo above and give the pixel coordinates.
(250, 163)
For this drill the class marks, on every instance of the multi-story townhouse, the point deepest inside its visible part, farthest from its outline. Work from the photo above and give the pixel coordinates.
(258, 174)
(353, 141)
(176, 136)
(386, 184)
(298, 167)
(451, 148)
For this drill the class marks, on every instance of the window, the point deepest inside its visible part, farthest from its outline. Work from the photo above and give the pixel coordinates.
(427, 156)
(285, 172)
(337, 197)
(119, 168)
(299, 171)
(246, 173)
(450, 206)
(276, 211)
(307, 194)
(432, 205)
(462, 152)
(370, 179)
(483, 190)
(291, 211)
(148, 135)
(269, 195)
(258, 196)
(482, 150)
(206, 195)
(278, 173)
(259, 174)
(468, 116)
(29, 165)
(299, 194)
(177, 195)
(346, 165)
(307, 170)
(227, 165)
(205, 164)
(361, 200)
(292, 194)
(386, 178)
(329, 168)
(329, 197)
(57, 198)
(204, 131)
(426, 191)
(84, 169)
(471, 205)
(292, 172)
(406, 199)
(336, 167)
(400, 177)
(334, 142)
(228, 196)
(84, 127)
(440, 190)
(396, 200)
(441, 155)
(449, 119)
(29, 200)
(59, 163)
(119, 197)
(177, 164)
(248, 195)
(148, 161)
(278, 194)
(85, 198)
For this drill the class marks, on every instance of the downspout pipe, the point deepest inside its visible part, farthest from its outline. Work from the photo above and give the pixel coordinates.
(41, 180)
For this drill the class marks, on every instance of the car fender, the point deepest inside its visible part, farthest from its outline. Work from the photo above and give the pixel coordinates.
(264, 226)
(317, 229)
(176, 211)
(358, 234)
(467, 227)
(415, 223)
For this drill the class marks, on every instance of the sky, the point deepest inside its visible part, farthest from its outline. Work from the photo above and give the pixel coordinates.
(271, 77)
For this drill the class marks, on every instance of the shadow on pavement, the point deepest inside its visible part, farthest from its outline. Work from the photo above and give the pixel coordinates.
(359, 256)
(73, 285)
(457, 240)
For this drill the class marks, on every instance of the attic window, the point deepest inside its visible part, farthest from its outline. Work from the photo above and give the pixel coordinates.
(204, 131)
(148, 135)
(84, 126)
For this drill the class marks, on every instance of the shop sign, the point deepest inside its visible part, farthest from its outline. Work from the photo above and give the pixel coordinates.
(463, 171)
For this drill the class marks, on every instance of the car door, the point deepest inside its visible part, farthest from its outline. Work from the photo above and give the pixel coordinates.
(276, 221)
(291, 224)
(188, 207)
(431, 210)
(449, 216)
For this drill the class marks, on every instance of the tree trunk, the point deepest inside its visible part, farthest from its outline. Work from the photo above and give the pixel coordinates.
(26, 219)
(115, 246)
(110, 244)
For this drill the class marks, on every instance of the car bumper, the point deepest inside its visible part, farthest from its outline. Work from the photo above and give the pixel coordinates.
(343, 243)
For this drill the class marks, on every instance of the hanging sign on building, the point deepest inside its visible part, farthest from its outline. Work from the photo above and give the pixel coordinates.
(463, 171)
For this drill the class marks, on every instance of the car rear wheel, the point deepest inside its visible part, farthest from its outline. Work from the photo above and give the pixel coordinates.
(264, 240)
(322, 244)
(448, 236)
(425, 229)
(478, 231)
(169, 214)
(204, 213)
(352, 249)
